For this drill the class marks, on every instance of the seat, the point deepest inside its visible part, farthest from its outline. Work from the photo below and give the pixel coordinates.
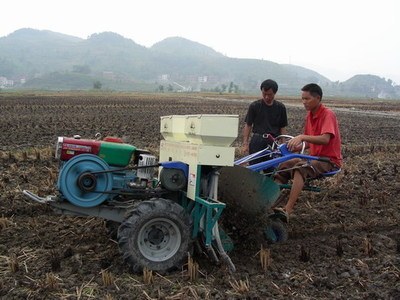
(331, 173)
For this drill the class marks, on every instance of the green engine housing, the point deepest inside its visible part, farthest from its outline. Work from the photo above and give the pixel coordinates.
(116, 154)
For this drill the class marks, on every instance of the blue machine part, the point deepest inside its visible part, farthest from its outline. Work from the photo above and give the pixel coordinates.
(81, 188)
(280, 155)
(121, 179)
(176, 165)
(284, 149)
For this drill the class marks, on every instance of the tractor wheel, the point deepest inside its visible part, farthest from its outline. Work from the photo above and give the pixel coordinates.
(276, 232)
(157, 235)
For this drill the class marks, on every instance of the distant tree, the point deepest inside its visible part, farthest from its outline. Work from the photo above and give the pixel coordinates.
(161, 88)
(217, 89)
(97, 85)
(233, 88)
(170, 88)
(223, 87)
(230, 89)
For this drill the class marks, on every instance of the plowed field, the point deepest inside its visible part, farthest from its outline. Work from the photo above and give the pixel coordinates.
(344, 242)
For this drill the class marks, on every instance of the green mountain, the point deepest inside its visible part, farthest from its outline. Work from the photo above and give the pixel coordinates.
(369, 86)
(50, 60)
(47, 59)
(27, 52)
(184, 47)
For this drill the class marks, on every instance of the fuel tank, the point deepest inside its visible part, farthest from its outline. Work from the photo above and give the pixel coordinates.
(113, 151)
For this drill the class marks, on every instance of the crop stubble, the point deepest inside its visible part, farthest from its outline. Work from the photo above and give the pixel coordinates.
(343, 242)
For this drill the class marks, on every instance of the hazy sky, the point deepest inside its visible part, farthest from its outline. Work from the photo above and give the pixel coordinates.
(337, 38)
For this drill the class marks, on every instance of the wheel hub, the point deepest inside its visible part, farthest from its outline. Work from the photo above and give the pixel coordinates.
(159, 239)
(156, 236)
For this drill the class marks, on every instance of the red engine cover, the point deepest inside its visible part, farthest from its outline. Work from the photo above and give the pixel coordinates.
(71, 147)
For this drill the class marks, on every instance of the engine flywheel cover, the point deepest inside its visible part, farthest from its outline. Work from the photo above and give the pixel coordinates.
(173, 179)
(79, 186)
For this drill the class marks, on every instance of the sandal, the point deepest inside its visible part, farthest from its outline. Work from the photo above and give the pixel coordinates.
(281, 213)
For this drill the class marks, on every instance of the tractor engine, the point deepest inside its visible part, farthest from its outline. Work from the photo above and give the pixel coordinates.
(112, 150)
(94, 171)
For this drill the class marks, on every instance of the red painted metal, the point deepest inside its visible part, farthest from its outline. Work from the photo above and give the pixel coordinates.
(72, 147)
(113, 139)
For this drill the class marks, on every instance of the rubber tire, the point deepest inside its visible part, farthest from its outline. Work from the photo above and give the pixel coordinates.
(140, 216)
(279, 228)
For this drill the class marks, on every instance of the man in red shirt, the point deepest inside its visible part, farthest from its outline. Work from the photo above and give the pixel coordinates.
(321, 135)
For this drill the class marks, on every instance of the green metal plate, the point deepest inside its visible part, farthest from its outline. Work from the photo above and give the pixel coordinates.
(247, 190)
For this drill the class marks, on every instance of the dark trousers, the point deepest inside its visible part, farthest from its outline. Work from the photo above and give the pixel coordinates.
(258, 143)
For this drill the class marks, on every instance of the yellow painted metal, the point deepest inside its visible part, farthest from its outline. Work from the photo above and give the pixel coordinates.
(205, 129)
(215, 130)
(172, 128)
(198, 140)
(195, 155)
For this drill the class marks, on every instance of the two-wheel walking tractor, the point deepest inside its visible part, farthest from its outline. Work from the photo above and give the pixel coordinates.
(162, 218)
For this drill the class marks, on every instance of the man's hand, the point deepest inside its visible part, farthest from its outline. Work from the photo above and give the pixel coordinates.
(245, 149)
(246, 135)
(295, 144)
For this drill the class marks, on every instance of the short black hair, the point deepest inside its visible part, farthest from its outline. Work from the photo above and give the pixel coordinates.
(314, 89)
(269, 84)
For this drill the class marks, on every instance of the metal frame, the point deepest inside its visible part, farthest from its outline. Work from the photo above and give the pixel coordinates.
(113, 213)
(204, 210)
(282, 154)
(208, 208)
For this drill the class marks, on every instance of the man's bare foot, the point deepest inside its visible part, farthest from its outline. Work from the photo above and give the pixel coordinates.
(288, 210)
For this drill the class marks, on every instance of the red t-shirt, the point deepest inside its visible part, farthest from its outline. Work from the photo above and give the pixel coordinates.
(324, 122)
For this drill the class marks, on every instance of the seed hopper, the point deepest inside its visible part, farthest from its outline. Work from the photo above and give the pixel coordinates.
(163, 217)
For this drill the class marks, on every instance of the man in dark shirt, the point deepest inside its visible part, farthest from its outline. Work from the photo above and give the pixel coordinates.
(265, 116)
